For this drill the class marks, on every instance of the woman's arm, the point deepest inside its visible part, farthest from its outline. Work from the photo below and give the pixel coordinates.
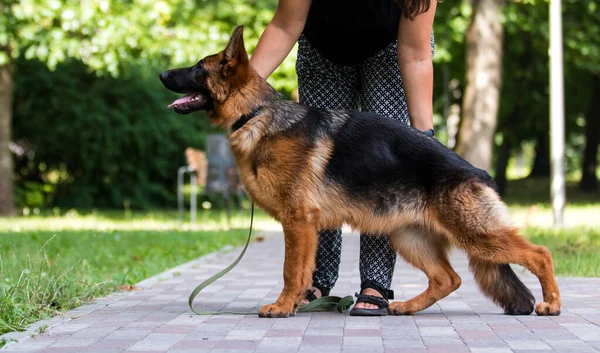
(279, 37)
(416, 66)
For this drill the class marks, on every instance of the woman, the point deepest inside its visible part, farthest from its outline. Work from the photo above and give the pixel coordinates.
(350, 56)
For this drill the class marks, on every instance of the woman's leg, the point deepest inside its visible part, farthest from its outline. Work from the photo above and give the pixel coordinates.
(381, 92)
(324, 84)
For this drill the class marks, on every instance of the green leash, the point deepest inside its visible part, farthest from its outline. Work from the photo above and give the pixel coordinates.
(329, 303)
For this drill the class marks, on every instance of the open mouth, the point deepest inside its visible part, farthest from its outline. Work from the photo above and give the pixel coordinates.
(191, 103)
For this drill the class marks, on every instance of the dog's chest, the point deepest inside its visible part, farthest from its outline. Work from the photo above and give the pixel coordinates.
(261, 186)
(283, 172)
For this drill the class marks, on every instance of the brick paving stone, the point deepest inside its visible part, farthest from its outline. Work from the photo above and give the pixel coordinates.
(288, 343)
(128, 334)
(157, 318)
(446, 349)
(405, 350)
(157, 342)
(441, 332)
(246, 334)
(31, 345)
(324, 349)
(120, 344)
(194, 344)
(241, 344)
(206, 335)
(324, 331)
(585, 332)
(285, 333)
(595, 343)
(174, 329)
(530, 344)
(436, 342)
(477, 344)
(61, 350)
(356, 332)
(362, 341)
(402, 344)
(322, 340)
(75, 342)
(571, 345)
(326, 324)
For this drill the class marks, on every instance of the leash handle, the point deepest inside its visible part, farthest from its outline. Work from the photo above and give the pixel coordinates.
(329, 303)
(221, 273)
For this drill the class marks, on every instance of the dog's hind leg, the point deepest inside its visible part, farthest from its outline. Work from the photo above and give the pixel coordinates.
(427, 252)
(498, 281)
(478, 221)
(300, 235)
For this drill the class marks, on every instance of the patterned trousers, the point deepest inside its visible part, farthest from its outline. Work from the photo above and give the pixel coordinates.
(374, 85)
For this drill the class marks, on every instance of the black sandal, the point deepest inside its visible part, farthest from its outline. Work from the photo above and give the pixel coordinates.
(382, 303)
(310, 294)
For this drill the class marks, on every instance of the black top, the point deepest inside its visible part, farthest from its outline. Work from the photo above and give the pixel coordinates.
(349, 31)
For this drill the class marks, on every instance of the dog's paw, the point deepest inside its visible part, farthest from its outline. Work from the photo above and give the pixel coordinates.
(400, 308)
(275, 310)
(547, 309)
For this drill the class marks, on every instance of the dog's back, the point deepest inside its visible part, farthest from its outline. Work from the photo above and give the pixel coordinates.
(374, 158)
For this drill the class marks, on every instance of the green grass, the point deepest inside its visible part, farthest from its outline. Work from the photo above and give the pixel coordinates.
(575, 248)
(574, 251)
(55, 263)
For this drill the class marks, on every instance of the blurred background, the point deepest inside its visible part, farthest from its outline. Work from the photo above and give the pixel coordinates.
(89, 153)
(90, 128)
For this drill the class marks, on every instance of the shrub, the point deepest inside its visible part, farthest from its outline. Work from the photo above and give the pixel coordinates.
(96, 141)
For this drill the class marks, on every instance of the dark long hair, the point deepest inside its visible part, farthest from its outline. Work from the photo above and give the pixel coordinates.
(413, 8)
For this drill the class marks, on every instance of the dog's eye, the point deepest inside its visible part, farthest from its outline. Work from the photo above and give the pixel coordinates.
(199, 70)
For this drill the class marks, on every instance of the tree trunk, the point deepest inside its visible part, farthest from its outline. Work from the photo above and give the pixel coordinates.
(501, 164)
(7, 206)
(541, 162)
(484, 82)
(589, 182)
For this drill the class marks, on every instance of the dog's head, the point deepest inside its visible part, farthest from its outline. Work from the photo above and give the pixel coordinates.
(210, 81)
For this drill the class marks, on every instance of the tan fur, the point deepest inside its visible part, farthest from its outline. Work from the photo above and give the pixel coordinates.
(427, 252)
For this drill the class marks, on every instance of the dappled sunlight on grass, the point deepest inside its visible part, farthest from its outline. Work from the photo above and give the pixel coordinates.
(540, 215)
(114, 220)
(574, 251)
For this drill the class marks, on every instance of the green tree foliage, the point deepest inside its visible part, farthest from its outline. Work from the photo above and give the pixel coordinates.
(97, 141)
(105, 34)
(582, 34)
(524, 104)
(90, 116)
(524, 113)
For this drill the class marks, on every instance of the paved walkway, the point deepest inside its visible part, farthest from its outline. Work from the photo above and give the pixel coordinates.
(157, 319)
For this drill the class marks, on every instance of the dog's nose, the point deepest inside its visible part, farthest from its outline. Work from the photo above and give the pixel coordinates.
(165, 76)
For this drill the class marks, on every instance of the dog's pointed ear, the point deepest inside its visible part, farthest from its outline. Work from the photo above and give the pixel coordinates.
(235, 51)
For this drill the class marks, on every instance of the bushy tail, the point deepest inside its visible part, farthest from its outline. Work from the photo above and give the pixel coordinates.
(501, 284)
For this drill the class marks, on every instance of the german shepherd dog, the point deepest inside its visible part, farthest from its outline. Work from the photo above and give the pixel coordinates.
(317, 169)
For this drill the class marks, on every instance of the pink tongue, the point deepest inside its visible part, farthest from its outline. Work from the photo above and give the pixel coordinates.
(182, 100)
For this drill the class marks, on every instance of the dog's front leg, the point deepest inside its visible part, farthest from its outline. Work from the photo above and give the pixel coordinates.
(300, 249)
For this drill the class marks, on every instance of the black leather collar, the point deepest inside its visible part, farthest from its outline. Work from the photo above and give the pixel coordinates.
(244, 119)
